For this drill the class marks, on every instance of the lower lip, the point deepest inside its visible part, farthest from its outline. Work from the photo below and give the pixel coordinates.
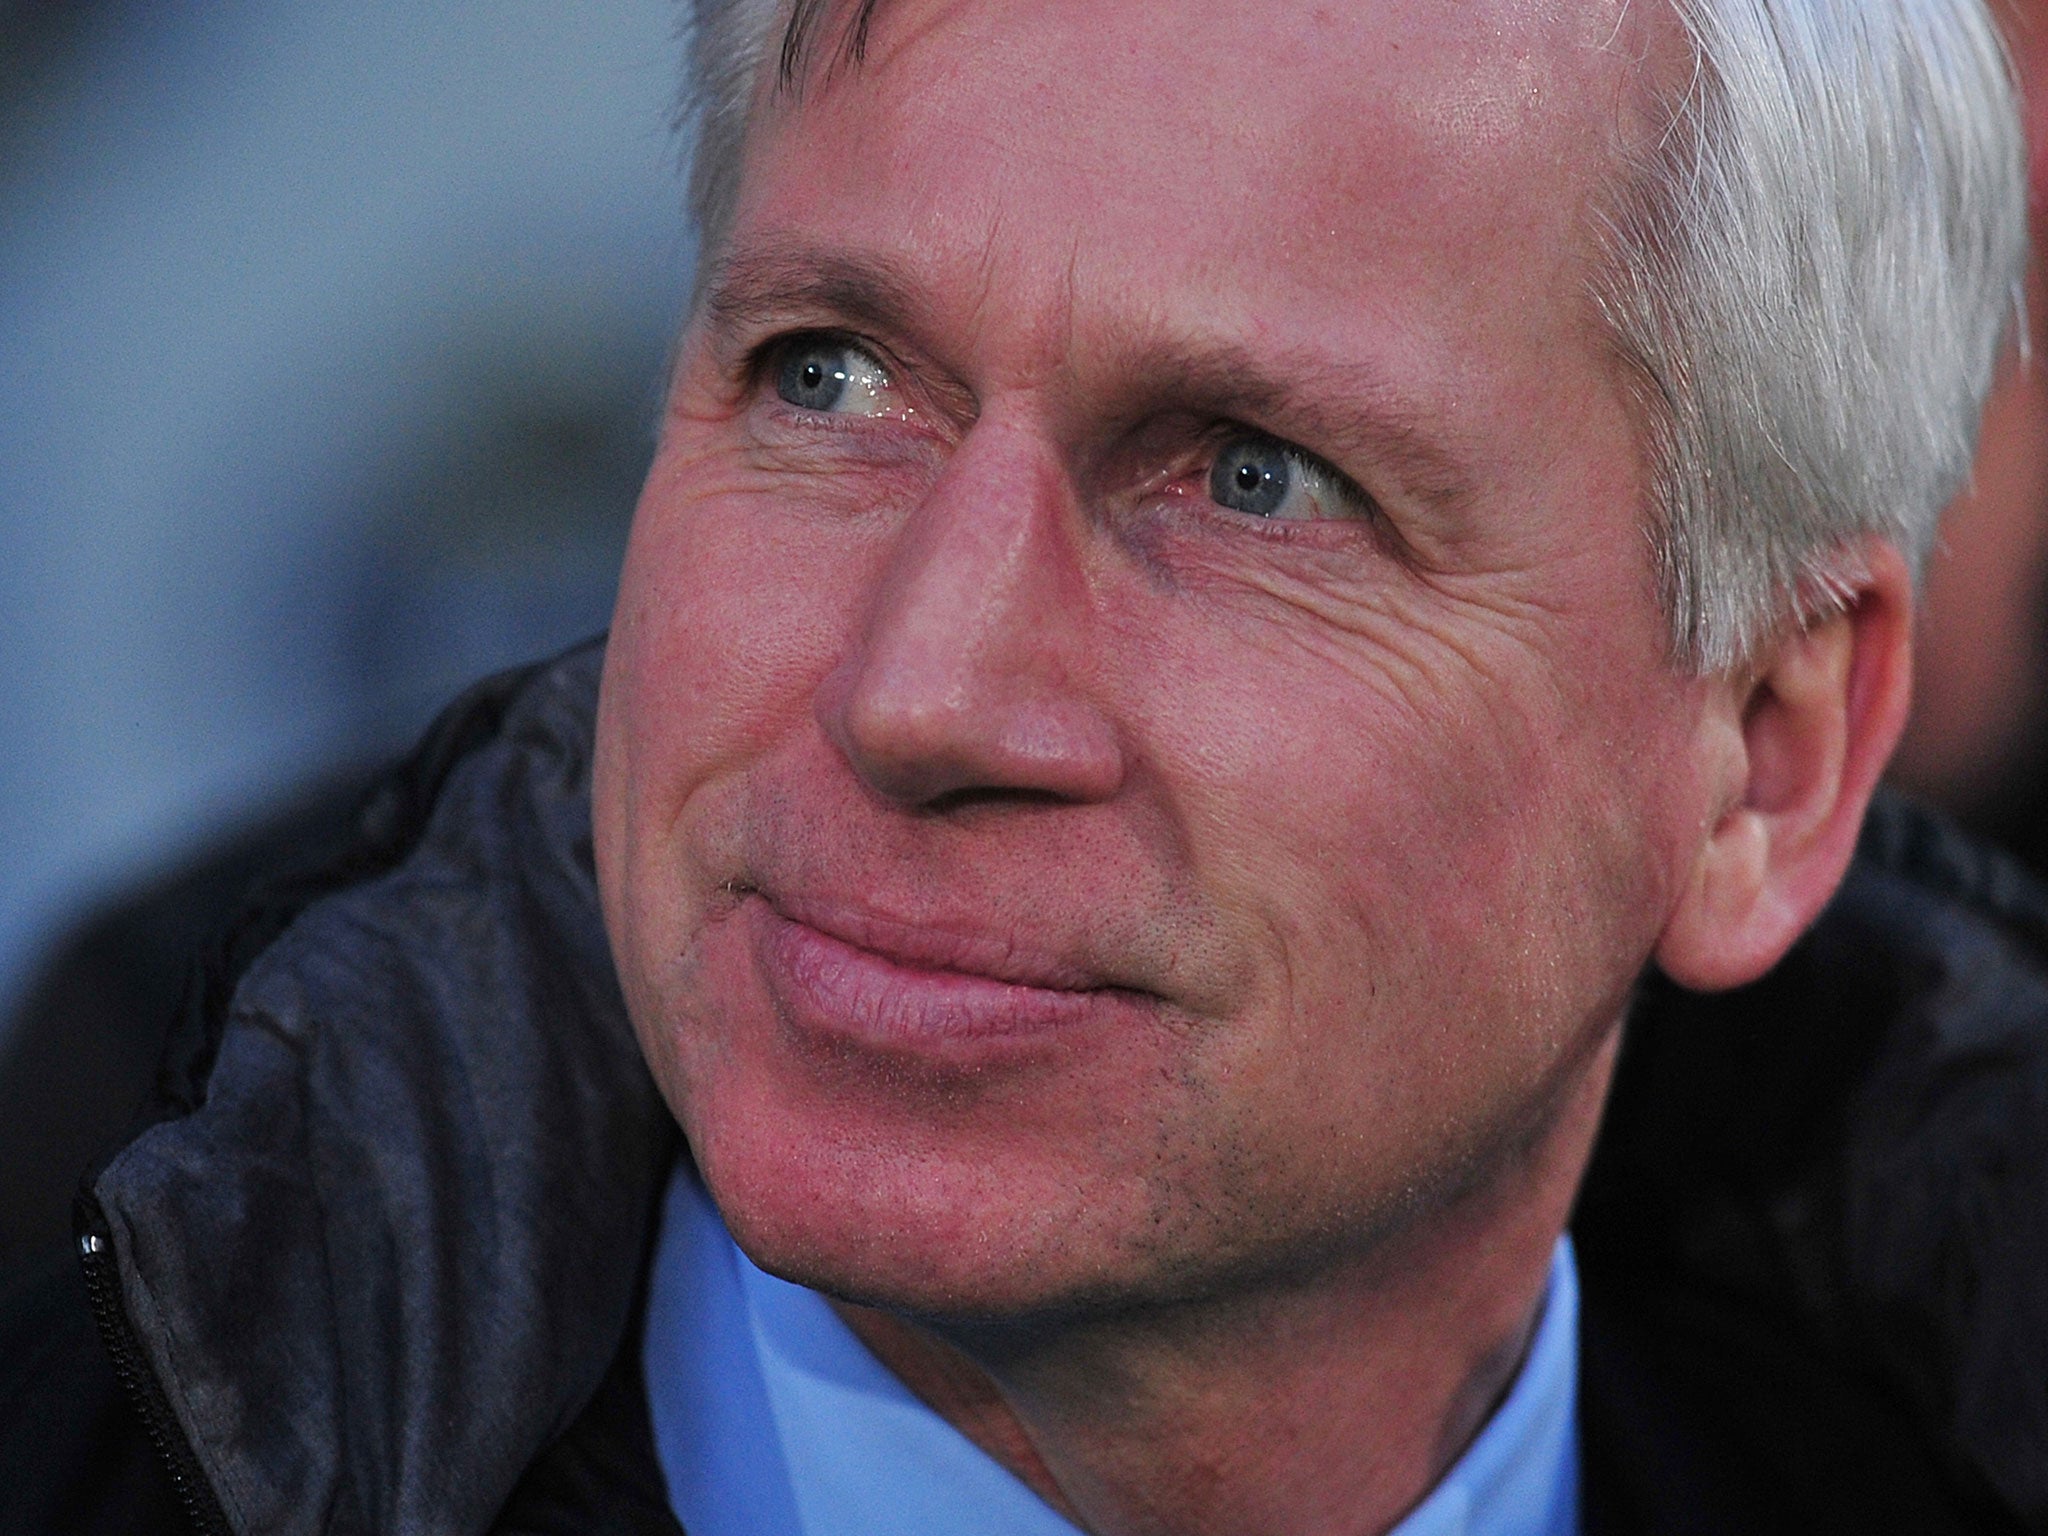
(840, 993)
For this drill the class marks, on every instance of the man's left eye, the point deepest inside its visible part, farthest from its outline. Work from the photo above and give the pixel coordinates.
(1264, 477)
(834, 377)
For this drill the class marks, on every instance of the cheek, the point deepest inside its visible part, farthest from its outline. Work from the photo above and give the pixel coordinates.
(730, 611)
(732, 606)
(1445, 852)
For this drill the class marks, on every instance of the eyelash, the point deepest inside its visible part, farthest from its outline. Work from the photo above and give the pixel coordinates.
(758, 364)
(1226, 431)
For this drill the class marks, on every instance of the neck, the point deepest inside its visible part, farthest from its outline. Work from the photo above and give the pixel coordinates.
(1332, 1404)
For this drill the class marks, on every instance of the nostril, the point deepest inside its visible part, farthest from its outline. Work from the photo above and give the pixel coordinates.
(967, 740)
(962, 800)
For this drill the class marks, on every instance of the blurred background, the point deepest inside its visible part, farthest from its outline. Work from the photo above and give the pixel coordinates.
(330, 342)
(1978, 742)
(331, 339)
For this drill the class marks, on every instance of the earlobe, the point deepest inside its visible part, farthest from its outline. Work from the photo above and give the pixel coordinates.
(1804, 738)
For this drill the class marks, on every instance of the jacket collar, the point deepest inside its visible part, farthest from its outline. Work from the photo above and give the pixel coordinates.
(392, 1252)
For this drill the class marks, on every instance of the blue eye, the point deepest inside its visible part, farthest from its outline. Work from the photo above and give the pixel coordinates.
(1253, 475)
(832, 377)
(1261, 476)
(813, 377)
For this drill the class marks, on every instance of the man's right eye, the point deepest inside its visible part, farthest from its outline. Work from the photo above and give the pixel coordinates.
(834, 377)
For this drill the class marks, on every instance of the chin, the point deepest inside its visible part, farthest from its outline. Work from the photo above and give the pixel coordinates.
(960, 1233)
(945, 1233)
(909, 1230)
(998, 1190)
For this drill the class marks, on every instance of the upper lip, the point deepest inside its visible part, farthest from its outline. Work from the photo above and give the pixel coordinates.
(939, 946)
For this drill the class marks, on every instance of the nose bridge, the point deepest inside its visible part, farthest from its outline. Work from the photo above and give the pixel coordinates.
(967, 675)
(986, 575)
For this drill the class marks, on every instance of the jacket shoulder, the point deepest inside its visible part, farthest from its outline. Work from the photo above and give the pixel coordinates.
(75, 1452)
(1830, 1189)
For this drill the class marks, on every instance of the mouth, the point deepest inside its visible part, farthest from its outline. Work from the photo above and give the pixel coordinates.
(858, 981)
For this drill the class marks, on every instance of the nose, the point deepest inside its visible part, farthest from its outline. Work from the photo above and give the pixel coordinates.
(971, 673)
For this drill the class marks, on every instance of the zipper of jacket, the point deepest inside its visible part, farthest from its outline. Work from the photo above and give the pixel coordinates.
(195, 1495)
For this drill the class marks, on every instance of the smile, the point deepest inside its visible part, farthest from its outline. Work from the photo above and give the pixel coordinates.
(865, 984)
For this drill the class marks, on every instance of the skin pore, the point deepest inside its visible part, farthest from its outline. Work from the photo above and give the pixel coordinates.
(1137, 768)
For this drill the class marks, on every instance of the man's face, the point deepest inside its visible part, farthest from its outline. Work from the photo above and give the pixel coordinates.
(1136, 750)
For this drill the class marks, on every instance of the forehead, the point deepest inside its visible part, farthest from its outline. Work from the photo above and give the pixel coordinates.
(1431, 141)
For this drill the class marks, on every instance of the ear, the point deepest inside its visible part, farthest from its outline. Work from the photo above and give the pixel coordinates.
(1813, 724)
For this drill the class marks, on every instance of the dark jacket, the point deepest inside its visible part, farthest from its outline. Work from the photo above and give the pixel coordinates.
(374, 1262)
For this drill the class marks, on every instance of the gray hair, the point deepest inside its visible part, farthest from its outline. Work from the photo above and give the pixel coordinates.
(728, 43)
(1810, 273)
(1813, 273)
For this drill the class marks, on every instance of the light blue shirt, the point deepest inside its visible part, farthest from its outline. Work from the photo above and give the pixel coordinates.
(772, 1419)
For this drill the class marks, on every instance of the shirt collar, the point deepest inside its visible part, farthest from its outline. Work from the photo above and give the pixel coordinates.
(772, 1419)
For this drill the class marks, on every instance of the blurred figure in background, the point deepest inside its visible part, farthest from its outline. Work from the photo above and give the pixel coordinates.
(330, 346)
(1978, 741)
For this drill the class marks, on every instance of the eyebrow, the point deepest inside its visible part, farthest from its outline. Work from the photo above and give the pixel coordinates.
(1338, 411)
(780, 278)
